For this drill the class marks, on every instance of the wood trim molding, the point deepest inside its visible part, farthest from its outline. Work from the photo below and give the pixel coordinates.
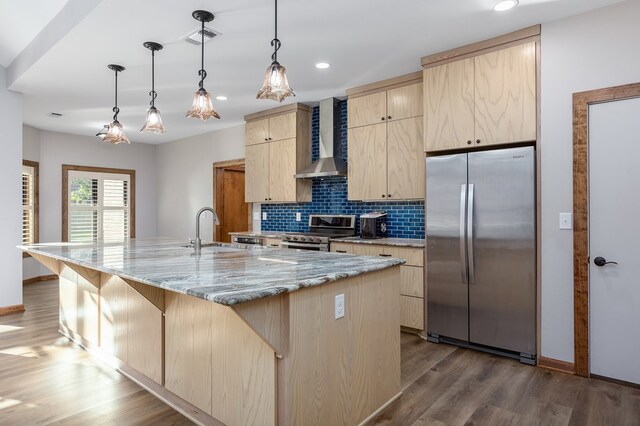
(390, 83)
(132, 197)
(581, 103)
(556, 365)
(41, 278)
(277, 111)
(506, 40)
(218, 167)
(6, 310)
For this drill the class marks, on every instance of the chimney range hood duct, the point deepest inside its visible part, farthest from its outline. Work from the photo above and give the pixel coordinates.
(330, 162)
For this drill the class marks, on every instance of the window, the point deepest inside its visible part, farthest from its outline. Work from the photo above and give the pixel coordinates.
(99, 204)
(30, 170)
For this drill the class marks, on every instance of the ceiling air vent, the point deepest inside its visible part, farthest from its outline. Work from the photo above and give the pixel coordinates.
(195, 36)
(55, 114)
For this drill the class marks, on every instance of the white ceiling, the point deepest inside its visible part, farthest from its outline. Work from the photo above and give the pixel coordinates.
(363, 40)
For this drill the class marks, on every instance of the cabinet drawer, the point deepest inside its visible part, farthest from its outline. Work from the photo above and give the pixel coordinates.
(412, 312)
(342, 248)
(412, 281)
(413, 256)
(272, 242)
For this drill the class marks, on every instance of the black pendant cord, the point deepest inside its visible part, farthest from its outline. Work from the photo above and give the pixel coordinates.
(202, 73)
(153, 93)
(275, 43)
(116, 110)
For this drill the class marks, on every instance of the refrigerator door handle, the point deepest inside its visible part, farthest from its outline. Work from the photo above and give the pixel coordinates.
(472, 274)
(463, 251)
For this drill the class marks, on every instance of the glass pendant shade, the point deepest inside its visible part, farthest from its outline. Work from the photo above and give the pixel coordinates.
(202, 106)
(115, 134)
(103, 132)
(154, 122)
(275, 85)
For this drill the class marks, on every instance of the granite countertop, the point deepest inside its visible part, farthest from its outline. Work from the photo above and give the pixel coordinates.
(226, 273)
(259, 234)
(397, 242)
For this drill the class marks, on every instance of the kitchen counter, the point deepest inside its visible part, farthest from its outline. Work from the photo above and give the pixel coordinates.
(259, 234)
(396, 242)
(226, 274)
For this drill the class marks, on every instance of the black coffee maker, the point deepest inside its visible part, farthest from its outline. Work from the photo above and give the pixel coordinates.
(373, 225)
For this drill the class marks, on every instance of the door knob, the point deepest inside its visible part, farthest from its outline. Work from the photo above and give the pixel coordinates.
(601, 261)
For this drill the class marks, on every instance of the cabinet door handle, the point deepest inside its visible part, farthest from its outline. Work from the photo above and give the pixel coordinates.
(477, 140)
(266, 139)
(341, 251)
(384, 255)
(274, 245)
(382, 118)
(269, 138)
(383, 196)
(388, 117)
(265, 199)
(388, 195)
(469, 142)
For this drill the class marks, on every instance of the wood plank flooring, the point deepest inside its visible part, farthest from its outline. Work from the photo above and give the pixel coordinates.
(45, 379)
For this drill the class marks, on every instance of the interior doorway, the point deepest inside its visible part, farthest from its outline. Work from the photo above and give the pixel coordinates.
(228, 199)
(606, 294)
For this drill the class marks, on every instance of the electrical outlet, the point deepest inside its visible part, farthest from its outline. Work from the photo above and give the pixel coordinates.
(339, 305)
(264, 215)
(565, 221)
(256, 215)
(298, 217)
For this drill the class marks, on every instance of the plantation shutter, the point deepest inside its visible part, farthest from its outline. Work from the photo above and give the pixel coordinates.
(98, 207)
(28, 203)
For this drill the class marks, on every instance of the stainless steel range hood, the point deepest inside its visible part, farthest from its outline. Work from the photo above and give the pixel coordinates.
(330, 163)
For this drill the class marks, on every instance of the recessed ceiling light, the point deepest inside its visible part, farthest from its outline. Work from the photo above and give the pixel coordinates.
(322, 65)
(221, 98)
(505, 5)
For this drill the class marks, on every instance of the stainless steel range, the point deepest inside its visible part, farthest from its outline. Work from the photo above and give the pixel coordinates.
(322, 227)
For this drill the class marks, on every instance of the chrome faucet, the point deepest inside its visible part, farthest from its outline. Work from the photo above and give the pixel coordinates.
(197, 244)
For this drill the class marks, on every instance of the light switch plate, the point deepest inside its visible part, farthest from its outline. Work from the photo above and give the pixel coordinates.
(565, 221)
(264, 215)
(339, 305)
(298, 217)
(256, 215)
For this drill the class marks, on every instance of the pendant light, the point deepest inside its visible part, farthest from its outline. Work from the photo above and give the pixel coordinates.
(202, 106)
(154, 121)
(103, 132)
(115, 134)
(275, 85)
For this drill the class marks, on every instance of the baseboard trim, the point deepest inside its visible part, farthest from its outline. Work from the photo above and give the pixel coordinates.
(373, 415)
(34, 280)
(556, 365)
(6, 310)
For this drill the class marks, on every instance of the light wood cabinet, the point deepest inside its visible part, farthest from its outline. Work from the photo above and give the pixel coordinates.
(272, 242)
(485, 100)
(270, 129)
(386, 160)
(278, 145)
(412, 289)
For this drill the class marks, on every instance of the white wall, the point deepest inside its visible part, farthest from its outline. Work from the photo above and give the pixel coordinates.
(589, 51)
(185, 179)
(53, 150)
(10, 194)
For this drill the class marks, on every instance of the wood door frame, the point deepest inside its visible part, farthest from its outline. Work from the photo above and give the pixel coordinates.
(218, 169)
(65, 188)
(581, 103)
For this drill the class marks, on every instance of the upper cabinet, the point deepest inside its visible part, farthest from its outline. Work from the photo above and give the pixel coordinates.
(386, 158)
(278, 145)
(484, 100)
(267, 129)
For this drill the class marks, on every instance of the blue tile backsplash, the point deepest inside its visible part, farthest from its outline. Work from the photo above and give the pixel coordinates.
(405, 219)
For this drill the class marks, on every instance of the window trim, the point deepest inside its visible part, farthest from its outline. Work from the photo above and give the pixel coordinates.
(36, 201)
(66, 168)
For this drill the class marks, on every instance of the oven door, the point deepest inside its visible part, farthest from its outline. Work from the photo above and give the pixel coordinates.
(304, 246)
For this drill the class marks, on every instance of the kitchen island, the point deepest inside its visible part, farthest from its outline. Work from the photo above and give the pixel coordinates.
(237, 335)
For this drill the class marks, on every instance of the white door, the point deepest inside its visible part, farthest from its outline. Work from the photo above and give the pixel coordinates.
(614, 234)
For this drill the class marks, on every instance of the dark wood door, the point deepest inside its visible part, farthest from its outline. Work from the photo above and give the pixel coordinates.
(234, 211)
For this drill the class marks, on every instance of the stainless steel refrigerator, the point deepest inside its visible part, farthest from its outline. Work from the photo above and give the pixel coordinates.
(481, 251)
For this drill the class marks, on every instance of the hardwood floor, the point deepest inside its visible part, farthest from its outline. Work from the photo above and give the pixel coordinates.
(45, 379)
(445, 385)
